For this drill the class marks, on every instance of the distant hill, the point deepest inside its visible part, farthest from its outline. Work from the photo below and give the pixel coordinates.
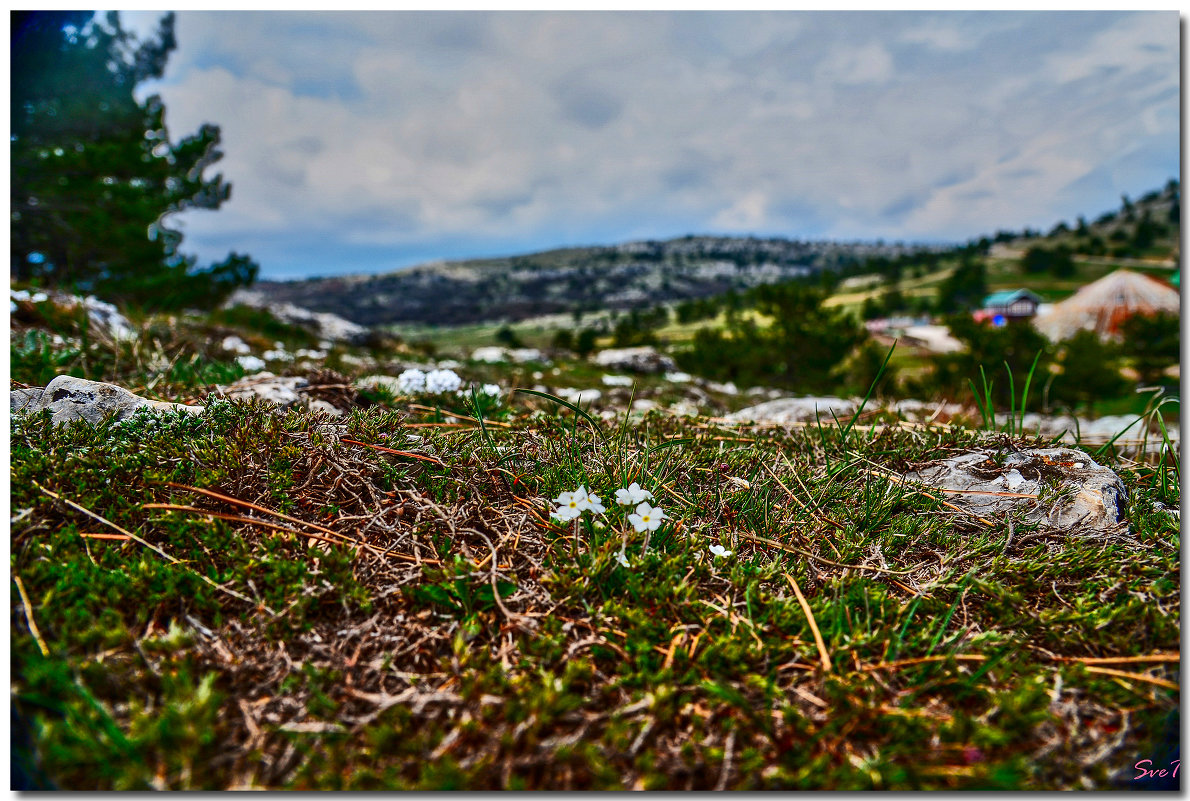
(639, 274)
(571, 279)
(1140, 230)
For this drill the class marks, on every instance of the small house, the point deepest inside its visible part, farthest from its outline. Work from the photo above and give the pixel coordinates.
(1008, 306)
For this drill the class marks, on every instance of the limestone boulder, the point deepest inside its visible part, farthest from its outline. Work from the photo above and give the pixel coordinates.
(1060, 487)
(283, 391)
(69, 398)
(786, 411)
(635, 360)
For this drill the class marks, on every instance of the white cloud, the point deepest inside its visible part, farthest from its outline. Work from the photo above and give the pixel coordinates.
(344, 132)
(940, 36)
(870, 63)
(1137, 44)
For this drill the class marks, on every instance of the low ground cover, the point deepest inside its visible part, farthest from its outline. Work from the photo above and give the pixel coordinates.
(388, 600)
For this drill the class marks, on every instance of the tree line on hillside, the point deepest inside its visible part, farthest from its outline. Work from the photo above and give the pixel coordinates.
(96, 174)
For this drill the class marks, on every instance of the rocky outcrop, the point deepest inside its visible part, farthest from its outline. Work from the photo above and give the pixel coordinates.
(785, 411)
(69, 398)
(1059, 487)
(324, 324)
(635, 360)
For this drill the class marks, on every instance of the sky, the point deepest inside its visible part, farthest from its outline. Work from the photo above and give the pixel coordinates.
(365, 142)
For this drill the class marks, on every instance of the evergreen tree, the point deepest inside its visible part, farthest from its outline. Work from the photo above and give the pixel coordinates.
(1090, 371)
(95, 174)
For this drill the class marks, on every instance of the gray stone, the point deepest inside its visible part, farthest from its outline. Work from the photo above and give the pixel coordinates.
(69, 398)
(492, 354)
(785, 411)
(920, 411)
(727, 389)
(279, 390)
(635, 360)
(1069, 489)
(579, 397)
(526, 355)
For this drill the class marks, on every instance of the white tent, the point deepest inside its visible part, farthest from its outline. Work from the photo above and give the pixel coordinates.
(1104, 305)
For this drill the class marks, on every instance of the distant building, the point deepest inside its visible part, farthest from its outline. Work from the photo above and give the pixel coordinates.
(1104, 305)
(1008, 306)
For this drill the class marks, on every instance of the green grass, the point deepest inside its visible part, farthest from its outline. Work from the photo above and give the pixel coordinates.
(422, 623)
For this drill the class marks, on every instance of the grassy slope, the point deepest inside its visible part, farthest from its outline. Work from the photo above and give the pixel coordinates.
(425, 626)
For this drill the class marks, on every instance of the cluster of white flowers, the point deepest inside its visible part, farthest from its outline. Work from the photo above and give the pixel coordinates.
(646, 517)
(632, 495)
(573, 504)
(411, 382)
(491, 389)
(438, 381)
(415, 382)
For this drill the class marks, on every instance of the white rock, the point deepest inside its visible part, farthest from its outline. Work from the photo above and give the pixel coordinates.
(319, 405)
(1092, 497)
(490, 354)
(235, 345)
(636, 360)
(69, 398)
(278, 390)
(579, 397)
(785, 411)
(253, 364)
(523, 355)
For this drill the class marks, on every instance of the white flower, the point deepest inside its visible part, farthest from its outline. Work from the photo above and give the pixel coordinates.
(719, 550)
(442, 381)
(411, 382)
(39, 297)
(253, 364)
(634, 494)
(647, 517)
(589, 501)
(18, 294)
(568, 505)
(279, 354)
(622, 558)
(491, 389)
(12, 306)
